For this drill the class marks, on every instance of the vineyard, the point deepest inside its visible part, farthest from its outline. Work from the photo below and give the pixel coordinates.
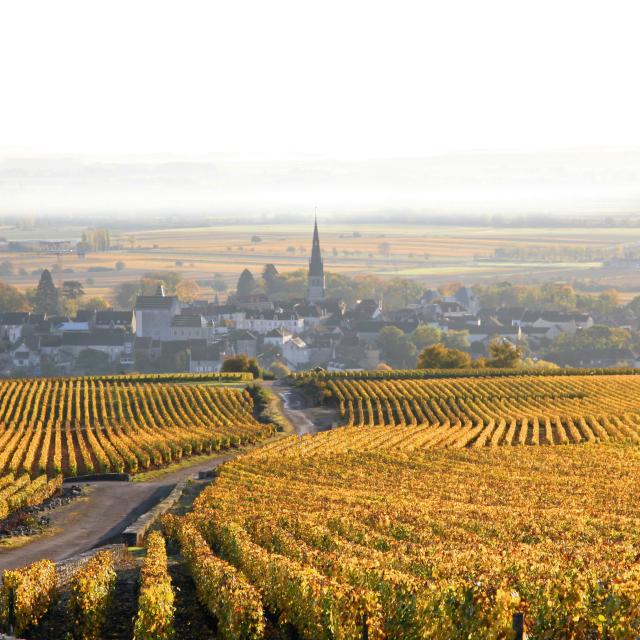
(74, 426)
(338, 538)
(493, 411)
(409, 521)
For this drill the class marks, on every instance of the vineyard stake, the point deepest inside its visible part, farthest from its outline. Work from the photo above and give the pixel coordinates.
(518, 626)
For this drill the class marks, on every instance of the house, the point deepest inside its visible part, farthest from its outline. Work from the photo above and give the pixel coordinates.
(368, 330)
(207, 359)
(12, 325)
(263, 322)
(540, 335)
(566, 322)
(153, 315)
(312, 314)
(428, 297)
(113, 343)
(112, 319)
(277, 337)
(253, 302)
(295, 353)
(26, 357)
(192, 327)
(367, 309)
(70, 326)
(467, 298)
(245, 342)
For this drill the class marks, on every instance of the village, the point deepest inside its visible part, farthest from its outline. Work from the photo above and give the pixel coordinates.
(163, 333)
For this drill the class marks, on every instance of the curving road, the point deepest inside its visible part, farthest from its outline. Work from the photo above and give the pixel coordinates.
(98, 518)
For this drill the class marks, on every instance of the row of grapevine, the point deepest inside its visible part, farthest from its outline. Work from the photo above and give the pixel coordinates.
(514, 410)
(154, 620)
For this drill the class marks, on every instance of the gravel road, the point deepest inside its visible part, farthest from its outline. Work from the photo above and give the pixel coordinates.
(94, 520)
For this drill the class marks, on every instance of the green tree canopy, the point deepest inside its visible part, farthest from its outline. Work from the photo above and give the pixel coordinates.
(425, 336)
(46, 299)
(396, 347)
(246, 283)
(456, 339)
(72, 289)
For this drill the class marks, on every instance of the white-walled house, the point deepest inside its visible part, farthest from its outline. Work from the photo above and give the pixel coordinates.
(295, 353)
(263, 323)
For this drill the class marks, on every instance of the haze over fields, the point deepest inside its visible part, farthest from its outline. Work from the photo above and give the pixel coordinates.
(212, 185)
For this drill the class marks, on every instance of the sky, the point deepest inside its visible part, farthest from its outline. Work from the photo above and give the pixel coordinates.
(300, 82)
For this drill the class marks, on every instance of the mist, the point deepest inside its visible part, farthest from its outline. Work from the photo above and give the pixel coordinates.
(473, 184)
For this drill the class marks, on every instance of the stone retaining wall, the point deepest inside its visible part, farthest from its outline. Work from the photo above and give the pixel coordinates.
(133, 535)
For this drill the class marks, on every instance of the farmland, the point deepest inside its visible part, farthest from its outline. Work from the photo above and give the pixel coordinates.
(441, 507)
(431, 254)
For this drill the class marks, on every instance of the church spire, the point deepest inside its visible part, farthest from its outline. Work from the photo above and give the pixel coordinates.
(316, 267)
(315, 278)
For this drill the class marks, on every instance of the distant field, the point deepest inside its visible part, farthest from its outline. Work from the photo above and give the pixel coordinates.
(433, 255)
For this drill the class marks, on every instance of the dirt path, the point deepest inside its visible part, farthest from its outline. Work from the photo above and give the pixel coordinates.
(98, 518)
(305, 420)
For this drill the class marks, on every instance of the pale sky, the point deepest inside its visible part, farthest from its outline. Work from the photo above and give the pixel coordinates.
(311, 85)
(345, 78)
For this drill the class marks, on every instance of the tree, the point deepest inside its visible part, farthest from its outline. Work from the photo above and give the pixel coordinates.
(504, 355)
(246, 283)
(279, 369)
(97, 239)
(273, 282)
(94, 303)
(425, 336)
(399, 292)
(125, 294)
(241, 363)
(120, 265)
(187, 291)
(456, 339)
(269, 272)
(46, 299)
(11, 299)
(72, 289)
(92, 361)
(437, 356)
(396, 347)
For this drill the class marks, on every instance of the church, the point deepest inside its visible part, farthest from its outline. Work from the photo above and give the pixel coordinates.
(315, 277)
